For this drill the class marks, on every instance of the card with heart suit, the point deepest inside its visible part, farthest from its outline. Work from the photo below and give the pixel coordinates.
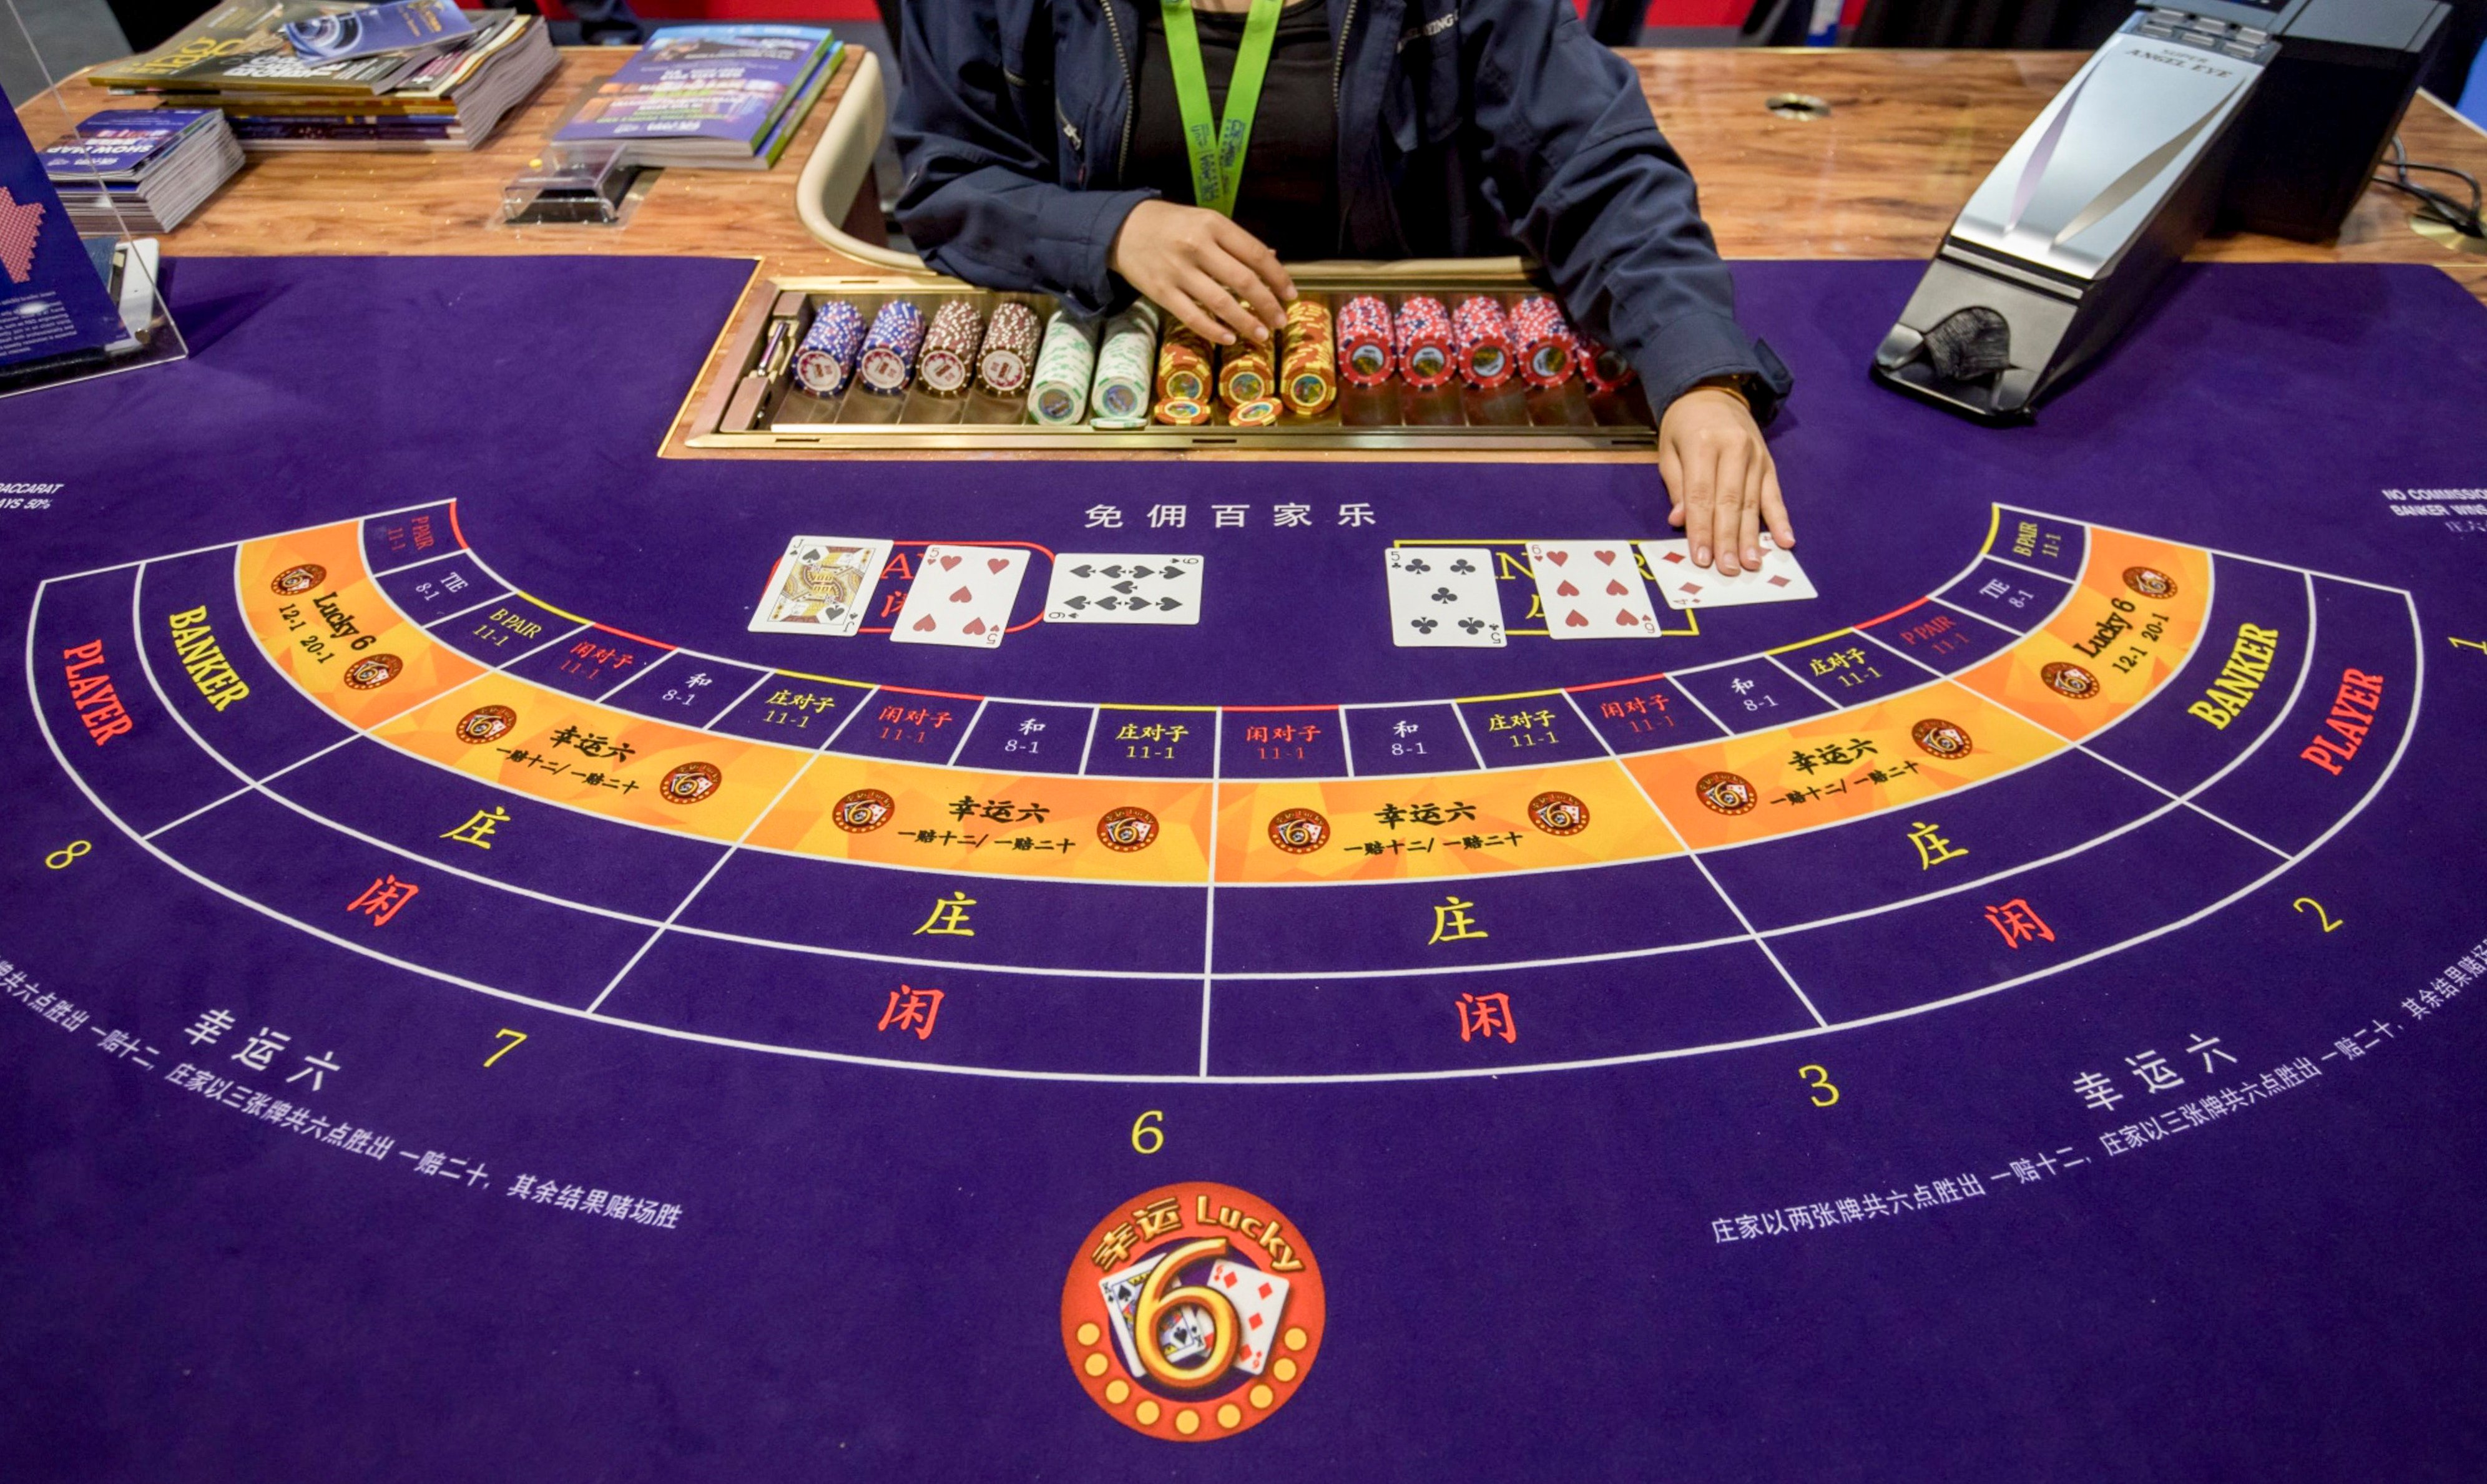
(963, 595)
(1683, 585)
(1260, 1301)
(1592, 590)
(1122, 587)
(823, 585)
(1442, 597)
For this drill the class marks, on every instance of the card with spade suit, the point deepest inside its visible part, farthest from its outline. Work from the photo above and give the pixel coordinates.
(1122, 587)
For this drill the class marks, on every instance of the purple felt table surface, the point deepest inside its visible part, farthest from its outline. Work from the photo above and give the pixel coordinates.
(1677, 1255)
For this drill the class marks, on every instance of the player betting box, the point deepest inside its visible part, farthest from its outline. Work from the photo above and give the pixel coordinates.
(1480, 362)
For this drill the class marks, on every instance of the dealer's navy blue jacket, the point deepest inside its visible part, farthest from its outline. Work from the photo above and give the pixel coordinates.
(1464, 127)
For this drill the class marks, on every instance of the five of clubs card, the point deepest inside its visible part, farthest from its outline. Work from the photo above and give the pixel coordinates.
(1442, 597)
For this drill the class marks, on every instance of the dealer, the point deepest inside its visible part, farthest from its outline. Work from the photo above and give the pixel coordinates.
(1183, 149)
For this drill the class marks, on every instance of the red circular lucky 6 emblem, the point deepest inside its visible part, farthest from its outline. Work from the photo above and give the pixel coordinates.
(1192, 1312)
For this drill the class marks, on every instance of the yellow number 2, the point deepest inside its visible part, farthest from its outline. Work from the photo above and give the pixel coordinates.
(1819, 1080)
(2329, 923)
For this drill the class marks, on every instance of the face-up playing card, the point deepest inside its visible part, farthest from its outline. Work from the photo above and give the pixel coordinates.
(1591, 590)
(821, 586)
(1122, 1295)
(1442, 597)
(1777, 580)
(1119, 588)
(963, 595)
(1259, 1298)
(1187, 1335)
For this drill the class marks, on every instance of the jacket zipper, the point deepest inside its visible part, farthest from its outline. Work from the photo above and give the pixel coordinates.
(1338, 64)
(1131, 91)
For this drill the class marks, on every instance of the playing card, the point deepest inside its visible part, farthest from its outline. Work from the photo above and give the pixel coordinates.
(1591, 590)
(1259, 1298)
(963, 595)
(1187, 1335)
(1122, 1294)
(821, 586)
(1121, 587)
(1442, 597)
(1777, 580)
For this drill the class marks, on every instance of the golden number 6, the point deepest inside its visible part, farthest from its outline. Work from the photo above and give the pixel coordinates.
(1155, 1299)
(1146, 1137)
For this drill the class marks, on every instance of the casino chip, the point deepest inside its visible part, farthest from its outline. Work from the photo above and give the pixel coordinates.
(1941, 739)
(825, 364)
(295, 581)
(1558, 813)
(950, 345)
(2070, 680)
(1299, 831)
(485, 724)
(1481, 335)
(374, 670)
(690, 782)
(889, 361)
(1127, 829)
(1544, 339)
(1425, 342)
(2149, 581)
(1725, 793)
(1366, 355)
(1602, 370)
(863, 811)
(1009, 356)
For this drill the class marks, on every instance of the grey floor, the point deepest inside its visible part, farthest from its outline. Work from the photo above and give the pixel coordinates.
(41, 40)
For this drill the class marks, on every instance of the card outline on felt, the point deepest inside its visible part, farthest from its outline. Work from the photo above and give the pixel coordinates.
(1550, 563)
(1065, 583)
(988, 581)
(1407, 568)
(876, 550)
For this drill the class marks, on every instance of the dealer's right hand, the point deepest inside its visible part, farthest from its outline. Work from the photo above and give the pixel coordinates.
(1203, 269)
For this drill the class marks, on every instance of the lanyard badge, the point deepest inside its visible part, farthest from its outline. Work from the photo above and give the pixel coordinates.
(1215, 146)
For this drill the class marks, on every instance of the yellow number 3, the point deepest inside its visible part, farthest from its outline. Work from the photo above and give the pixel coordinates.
(1819, 1080)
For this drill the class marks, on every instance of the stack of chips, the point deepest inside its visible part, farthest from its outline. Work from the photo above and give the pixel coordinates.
(1243, 375)
(1364, 354)
(1545, 341)
(1482, 333)
(1424, 341)
(825, 361)
(1601, 368)
(1184, 378)
(1064, 367)
(1010, 350)
(1308, 379)
(950, 345)
(1120, 398)
(889, 361)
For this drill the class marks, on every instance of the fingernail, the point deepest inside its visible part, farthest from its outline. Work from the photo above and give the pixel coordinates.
(1752, 555)
(1701, 556)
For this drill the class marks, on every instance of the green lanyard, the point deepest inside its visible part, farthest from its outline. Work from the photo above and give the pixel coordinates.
(1216, 146)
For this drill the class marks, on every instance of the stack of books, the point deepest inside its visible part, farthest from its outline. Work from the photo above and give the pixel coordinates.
(717, 98)
(141, 170)
(448, 94)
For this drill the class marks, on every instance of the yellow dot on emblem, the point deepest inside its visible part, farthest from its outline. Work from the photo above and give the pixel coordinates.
(1087, 1335)
(1094, 1365)
(1147, 1413)
(1262, 1395)
(1229, 1415)
(1186, 1422)
(1283, 1369)
(1297, 1339)
(1118, 1390)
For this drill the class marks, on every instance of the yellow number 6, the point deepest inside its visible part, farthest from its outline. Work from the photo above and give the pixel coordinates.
(1148, 1137)
(1819, 1080)
(1155, 1299)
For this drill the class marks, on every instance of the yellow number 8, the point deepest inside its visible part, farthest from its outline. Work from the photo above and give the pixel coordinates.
(1155, 1299)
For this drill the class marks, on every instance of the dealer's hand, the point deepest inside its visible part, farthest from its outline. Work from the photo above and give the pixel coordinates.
(1721, 481)
(1202, 268)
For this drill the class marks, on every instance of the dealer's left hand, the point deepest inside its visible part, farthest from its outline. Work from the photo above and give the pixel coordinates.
(1722, 485)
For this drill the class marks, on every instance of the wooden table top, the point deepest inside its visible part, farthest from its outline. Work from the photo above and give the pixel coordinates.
(1908, 136)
